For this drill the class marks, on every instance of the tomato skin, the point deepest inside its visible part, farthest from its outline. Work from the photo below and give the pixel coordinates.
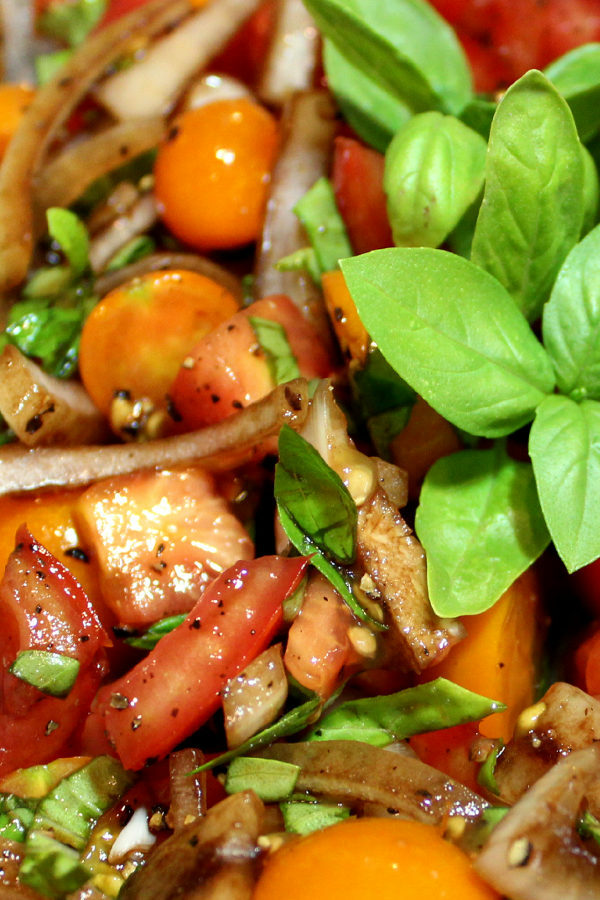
(212, 173)
(43, 607)
(587, 662)
(226, 371)
(177, 687)
(358, 186)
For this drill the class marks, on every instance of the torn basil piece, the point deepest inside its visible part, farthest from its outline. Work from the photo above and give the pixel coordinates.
(272, 338)
(51, 673)
(271, 779)
(303, 816)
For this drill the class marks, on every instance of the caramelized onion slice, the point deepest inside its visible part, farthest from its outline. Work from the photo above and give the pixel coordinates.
(292, 56)
(51, 106)
(136, 220)
(216, 857)
(157, 262)
(43, 410)
(150, 87)
(355, 774)
(309, 127)
(66, 177)
(254, 698)
(187, 792)
(219, 447)
(535, 853)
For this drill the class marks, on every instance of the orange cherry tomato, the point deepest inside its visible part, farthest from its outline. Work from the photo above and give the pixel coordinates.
(212, 173)
(371, 857)
(136, 338)
(14, 100)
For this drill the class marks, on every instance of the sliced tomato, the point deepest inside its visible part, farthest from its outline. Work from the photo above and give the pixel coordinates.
(228, 370)
(319, 650)
(42, 607)
(244, 55)
(159, 538)
(449, 751)
(358, 185)
(177, 687)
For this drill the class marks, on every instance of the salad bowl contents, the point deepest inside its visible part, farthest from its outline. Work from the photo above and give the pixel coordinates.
(299, 475)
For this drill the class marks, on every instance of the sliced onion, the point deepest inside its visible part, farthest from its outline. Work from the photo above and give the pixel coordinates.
(309, 128)
(151, 86)
(255, 697)
(211, 87)
(188, 792)
(137, 220)
(535, 853)
(50, 108)
(43, 410)
(214, 857)
(293, 54)
(18, 42)
(157, 262)
(354, 773)
(392, 557)
(219, 447)
(66, 177)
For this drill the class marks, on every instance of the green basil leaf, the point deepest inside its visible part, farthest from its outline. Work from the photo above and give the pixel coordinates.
(373, 112)
(577, 76)
(315, 497)
(137, 248)
(51, 673)
(433, 173)
(273, 340)
(454, 334)
(477, 506)
(150, 638)
(324, 225)
(591, 192)
(571, 321)
(68, 230)
(71, 22)
(47, 64)
(532, 210)
(329, 570)
(382, 720)
(564, 445)
(405, 47)
(478, 114)
(304, 259)
(291, 722)
(272, 779)
(7, 435)
(306, 815)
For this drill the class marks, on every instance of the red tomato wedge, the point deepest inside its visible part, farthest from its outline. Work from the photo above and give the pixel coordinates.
(228, 370)
(177, 687)
(42, 607)
(358, 186)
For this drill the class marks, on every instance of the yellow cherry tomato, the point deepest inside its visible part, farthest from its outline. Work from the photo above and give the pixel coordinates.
(212, 173)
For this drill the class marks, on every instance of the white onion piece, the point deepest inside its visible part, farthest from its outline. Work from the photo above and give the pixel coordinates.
(292, 56)
(43, 410)
(217, 448)
(137, 220)
(135, 836)
(66, 177)
(18, 42)
(212, 87)
(188, 792)
(535, 853)
(255, 697)
(309, 128)
(151, 86)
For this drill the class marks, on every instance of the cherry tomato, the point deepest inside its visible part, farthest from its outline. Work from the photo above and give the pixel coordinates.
(42, 607)
(14, 100)
(386, 858)
(135, 339)
(159, 538)
(227, 370)
(587, 661)
(212, 173)
(177, 687)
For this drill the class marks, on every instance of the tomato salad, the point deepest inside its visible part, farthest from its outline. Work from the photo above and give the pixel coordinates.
(299, 471)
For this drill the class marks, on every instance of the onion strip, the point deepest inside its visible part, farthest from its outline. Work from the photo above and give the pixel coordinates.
(219, 447)
(293, 54)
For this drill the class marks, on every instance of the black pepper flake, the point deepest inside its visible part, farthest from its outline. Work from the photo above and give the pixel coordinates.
(175, 712)
(41, 575)
(193, 842)
(173, 132)
(253, 631)
(215, 398)
(160, 549)
(124, 150)
(77, 553)
(231, 328)
(119, 701)
(122, 394)
(84, 638)
(136, 722)
(338, 314)
(237, 405)
(172, 410)
(196, 624)
(38, 609)
(50, 727)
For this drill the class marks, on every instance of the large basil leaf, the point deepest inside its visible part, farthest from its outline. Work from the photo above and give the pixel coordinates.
(565, 450)
(571, 321)
(577, 76)
(454, 334)
(591, 191)
(532, 210)
(372, 111)
(481, 525)
(315, 497)
(381, 720)
(433, 173)
(404, 46)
